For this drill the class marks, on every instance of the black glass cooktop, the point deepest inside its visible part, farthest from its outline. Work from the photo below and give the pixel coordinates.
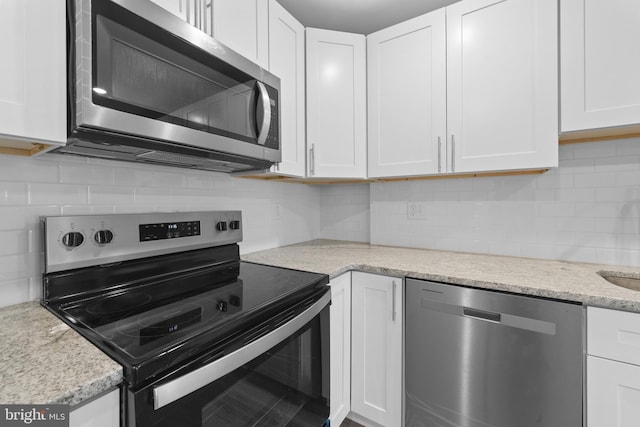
(141, 322)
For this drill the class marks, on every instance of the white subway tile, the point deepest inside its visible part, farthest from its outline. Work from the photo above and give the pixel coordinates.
(110, 195)
(14, 242)
(617, 164)
(594, 180)
(13, 194)
(556, 209)
(23, 217)
(627, 147)
(28, 169)
(14, 291)
(594, 150)
(94, 174)
(134, 177)
(57, 194)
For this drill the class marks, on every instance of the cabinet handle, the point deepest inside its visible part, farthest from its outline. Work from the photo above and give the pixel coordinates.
(393, 301)
(312, 160)
(453, 153)
(439, 155)
(210, 5)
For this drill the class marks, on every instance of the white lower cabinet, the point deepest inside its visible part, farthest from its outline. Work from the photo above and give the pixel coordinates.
(340, 356)
(613, 368)
(613, 393)
(101, 412)
(376, 348)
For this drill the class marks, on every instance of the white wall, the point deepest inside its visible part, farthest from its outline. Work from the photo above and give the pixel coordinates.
(274, 214)
(586, 210)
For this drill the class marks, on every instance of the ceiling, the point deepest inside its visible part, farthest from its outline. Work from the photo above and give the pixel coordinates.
(358, 16)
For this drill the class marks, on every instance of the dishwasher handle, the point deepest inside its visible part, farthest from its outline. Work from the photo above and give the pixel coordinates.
(481, 314)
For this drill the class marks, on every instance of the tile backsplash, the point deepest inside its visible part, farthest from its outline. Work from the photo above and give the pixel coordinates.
(588, 209)
(274, 214)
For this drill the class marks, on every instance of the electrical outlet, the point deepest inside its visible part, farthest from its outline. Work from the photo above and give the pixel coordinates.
(416, 210)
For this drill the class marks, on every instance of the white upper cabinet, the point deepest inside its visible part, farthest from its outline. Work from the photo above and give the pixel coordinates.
(336, 104)
(406, 66)
(243, 26)
(33, 74)
(183, 9)
(600, 64)
(502, 85)
(286, 60)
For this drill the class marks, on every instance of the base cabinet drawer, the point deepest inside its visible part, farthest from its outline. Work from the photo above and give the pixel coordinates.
(614, 335)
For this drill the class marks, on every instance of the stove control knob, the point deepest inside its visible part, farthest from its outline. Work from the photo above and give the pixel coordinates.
(72, 239)
(234, 225)
(222, 306)
(103, 237)
(221, 226)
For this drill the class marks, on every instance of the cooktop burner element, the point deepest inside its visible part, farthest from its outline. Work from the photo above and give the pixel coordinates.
(122, 303)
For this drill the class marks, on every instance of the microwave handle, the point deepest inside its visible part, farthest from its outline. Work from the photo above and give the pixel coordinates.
(175, 389)
(264, 102)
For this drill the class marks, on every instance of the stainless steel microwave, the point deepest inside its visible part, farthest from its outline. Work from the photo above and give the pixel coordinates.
(146, 86)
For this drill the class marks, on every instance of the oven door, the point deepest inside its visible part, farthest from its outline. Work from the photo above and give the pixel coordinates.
(142, 71)
(278, 376)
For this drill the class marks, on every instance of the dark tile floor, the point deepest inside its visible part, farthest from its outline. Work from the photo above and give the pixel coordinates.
(349, 423)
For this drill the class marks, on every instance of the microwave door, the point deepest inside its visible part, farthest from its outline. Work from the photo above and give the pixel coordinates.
(143, 82)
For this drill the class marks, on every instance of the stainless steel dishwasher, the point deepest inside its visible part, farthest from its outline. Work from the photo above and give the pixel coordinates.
(476, 358)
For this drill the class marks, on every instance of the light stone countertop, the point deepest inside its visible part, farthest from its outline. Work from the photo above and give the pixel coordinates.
(564, 280)
(43, 361)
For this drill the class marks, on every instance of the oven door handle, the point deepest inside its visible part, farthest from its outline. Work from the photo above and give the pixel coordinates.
(175, 389)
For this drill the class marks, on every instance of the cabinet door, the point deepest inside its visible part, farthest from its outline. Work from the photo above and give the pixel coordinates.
(340, 359)
(336, 104)
(502, 92)
(183, 9)
(286, 60)
(613, 393)
(33, 74)
(407, 102)
(600, 63)
(101, 412)
(376, 361)
(243, 26)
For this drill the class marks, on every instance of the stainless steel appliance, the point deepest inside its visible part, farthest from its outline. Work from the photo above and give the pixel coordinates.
(204, 338)
(145, 86)
(478, 358)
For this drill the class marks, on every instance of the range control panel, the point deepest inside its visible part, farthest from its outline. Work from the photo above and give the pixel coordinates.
(168, 230)
(86, 240)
